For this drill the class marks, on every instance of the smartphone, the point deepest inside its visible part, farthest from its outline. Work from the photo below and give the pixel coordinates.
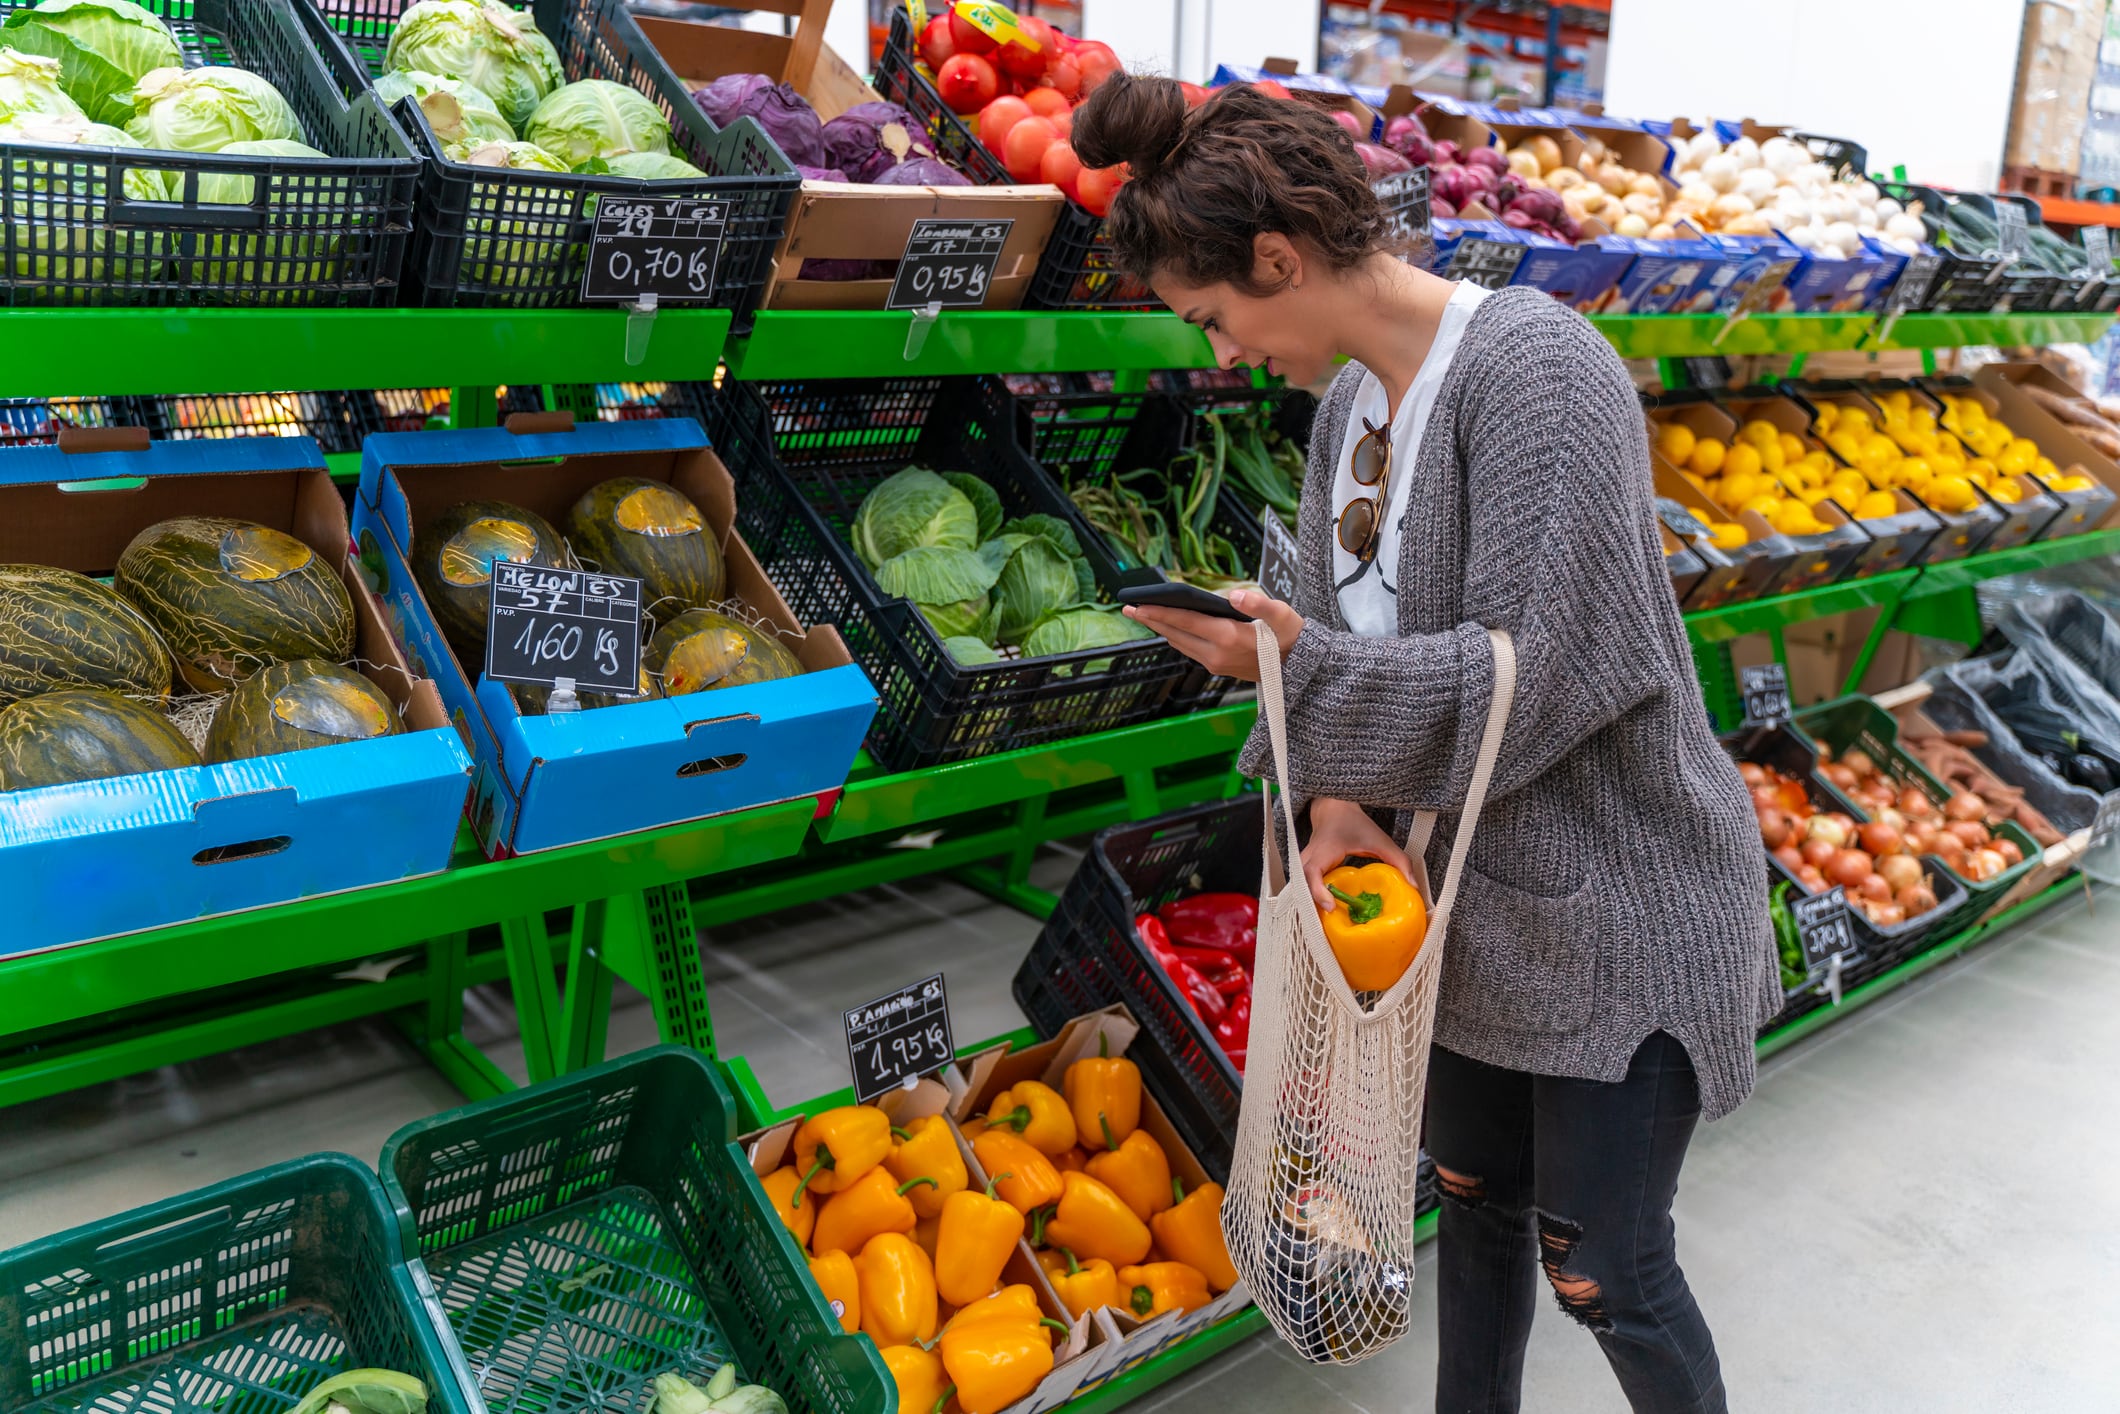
(1189, 597)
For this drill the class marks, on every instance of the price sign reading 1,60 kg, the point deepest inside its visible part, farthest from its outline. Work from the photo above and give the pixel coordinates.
(950, 263)
(666, 247)
(899, 1037)
(545, 624)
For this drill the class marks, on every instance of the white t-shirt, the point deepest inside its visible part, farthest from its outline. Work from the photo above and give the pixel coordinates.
(1368, 592)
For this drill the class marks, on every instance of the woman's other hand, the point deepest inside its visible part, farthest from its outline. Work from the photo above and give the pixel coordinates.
(1224, 647)
(1337, 830)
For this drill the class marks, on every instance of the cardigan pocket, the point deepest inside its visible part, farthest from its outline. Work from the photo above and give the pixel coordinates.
(1521, 961)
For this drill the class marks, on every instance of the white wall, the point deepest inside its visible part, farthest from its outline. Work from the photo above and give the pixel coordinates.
(1189, 38)
(846, 30)
(1921, 82)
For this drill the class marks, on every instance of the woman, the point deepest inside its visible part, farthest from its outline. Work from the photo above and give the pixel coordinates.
(1481, 462)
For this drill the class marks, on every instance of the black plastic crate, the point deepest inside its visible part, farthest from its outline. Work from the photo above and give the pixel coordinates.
(315, 231)
(1967, 282)
(805, 454)
(1076, 271)
(1838, 153)
(326, 416)
(544, 218)
(410, 409)
(34, 422)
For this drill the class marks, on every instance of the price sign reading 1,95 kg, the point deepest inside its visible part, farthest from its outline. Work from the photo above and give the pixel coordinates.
(948, 262)
(899, 1037)
(545, 624)
(668, 247)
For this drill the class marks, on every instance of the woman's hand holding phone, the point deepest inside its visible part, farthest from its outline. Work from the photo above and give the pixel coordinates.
(1224, 647)
(1339, 828)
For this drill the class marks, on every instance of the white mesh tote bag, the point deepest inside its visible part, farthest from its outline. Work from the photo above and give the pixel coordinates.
(1320, 1205)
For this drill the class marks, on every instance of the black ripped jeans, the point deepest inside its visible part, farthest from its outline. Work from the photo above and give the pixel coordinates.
(1573, 1178)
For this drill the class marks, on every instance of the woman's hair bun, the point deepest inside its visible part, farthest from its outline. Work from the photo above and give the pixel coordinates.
(1131, 119)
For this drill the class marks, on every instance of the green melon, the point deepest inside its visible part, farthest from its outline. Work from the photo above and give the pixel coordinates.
(230, 597)
(702, 649)
(531, 698)
(650, 531)
(85, 734)
(294, 706)
(61, 629)
(452, 559)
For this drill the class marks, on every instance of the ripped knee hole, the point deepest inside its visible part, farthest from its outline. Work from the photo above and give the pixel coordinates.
(1461, 1188)
(1580, 1297)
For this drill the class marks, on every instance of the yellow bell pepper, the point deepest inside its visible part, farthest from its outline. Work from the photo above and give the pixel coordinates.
(834, 1149)
(1191, 1232)
(1038, 1113)
(926, 1233)
(797, 1210)
(1162, 1286)
(997, 1351)
(1075, 1160)
(927, 1149)
(922, 1386)
(1083, 1286)
(978, 1235)
(1092, 1221)
(873, 1203)
(897, 1290)
(1032, 1180)
(1377, 929)
(1138, 1171)
(841, 1285)
(1104, 1091)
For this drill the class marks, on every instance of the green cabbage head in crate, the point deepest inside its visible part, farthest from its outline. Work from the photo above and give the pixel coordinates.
(204, 110)
(104, 47)
(947, 585)
(493, 48)
(596, 118)
(29, 83)
(915, 507)
(456, 110)
(58, 207)
(512, 231)
(293, 257)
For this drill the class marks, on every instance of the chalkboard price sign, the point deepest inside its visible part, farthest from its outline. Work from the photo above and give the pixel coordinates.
(950, 263)
(1277, 562)
(899, 1037)
(1822, 928)
(668, 247)
(1766, 690)
(1915, 282)
(544, 624)
(1404, 197)
(1488, 264)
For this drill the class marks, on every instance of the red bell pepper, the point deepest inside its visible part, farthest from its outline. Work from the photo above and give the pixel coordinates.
(1222, 970)
(1206, 1002)
(1225, 922)
(1233, 1031)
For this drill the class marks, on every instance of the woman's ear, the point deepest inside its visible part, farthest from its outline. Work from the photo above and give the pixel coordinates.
(1276, 264)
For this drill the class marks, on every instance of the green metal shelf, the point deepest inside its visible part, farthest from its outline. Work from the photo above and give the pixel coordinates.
(1760, 615)
(1963, 574)
(873, 343)
(1699, 335)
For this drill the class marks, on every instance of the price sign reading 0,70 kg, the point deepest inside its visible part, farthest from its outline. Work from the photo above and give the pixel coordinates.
(948, 262)
(669, 248)
(545, 624)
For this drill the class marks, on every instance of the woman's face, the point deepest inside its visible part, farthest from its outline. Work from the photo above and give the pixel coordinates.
(1280, 332)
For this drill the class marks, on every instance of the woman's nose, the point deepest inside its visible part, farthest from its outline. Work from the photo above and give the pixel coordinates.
(1227, 354)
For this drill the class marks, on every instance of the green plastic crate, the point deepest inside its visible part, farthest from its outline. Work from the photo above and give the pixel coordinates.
(235, 1299)
(589, 1233)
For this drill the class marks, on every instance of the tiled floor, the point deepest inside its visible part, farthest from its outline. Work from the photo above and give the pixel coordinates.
(1919, 1210)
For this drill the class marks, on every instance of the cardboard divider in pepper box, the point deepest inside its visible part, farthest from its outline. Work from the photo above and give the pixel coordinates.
(97, 858)
(567, 778)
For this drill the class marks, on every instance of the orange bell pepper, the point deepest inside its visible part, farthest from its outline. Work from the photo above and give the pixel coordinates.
(1138, 1171)
(873, 1203)
(997, 1350)
(1104, 1091)
(1162, 1286)
(927, 1149)
(841, 1285)
(1075, 1160)
(922, 1386)
(897, 1290)
(1038, 1113)
(1377, 929)
(1093, 1221)
(796, 1209)
(1083, 1286)
(834, 1149)
(1032, 1180)
(1191, 1232)
(978, 1235)
(926, 1233)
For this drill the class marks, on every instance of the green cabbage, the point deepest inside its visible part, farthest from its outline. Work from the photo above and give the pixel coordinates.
(29, 83)
(1052, 528)
(104, 47)
(500, 249)
(651, 166)
(291, 259)
(595, 118)
(204, 110)
(455, 110)
(60, 209)
(947, 585)
(970, 652)
(489, 46)
(523, 156)
(1037, 580)
(983, 497)
(915, 507)
(1085, 627)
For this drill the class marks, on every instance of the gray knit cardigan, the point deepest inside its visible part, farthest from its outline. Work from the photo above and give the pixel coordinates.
(1617, 886)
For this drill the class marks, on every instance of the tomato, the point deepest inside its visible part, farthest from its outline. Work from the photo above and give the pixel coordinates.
(998, 117)
(935, 43)
(967, 83)
(1274, 89)
(968, 37)
(1060, 166)
(1047, 102)
(1194, 94)
(1064, 78)
(1096, 61)
(1023, 61)
(1065, 122)
(1094, 188)
(1024, 147)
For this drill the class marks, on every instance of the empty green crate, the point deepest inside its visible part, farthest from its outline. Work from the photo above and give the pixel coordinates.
(235, 1299)
(590, 1233)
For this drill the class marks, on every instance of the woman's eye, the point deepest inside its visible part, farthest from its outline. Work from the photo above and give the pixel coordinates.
(1210, 326)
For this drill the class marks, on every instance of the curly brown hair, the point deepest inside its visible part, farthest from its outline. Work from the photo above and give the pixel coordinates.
(1207, 180)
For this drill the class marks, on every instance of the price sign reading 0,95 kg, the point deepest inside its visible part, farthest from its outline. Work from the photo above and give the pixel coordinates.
(666, 247)
(950, 263)
(899, 1037)
(545, 624)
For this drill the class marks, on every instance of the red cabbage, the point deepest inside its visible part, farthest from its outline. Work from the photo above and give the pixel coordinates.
(1381, 161)
(1401, 132)
(785, 114)
(820, 174)
(895, 143)
(922, 172)
(1491, 158)
(722, 100)
(852, 138)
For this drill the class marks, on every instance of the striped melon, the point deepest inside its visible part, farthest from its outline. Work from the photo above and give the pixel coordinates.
(650, 531)
(230, 597)
(453, 556)
(702, 649)
(61, 629)
(85, 734)
(294, 706)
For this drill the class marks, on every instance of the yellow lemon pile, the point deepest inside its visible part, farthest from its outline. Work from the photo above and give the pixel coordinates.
(1764, 469)
(1946, 461)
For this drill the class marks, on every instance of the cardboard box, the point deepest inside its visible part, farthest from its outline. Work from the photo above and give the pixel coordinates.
(1663, 276)
(2008, 383)
(841, 221)
(98, 858)
(545, 781)
(2057, 64)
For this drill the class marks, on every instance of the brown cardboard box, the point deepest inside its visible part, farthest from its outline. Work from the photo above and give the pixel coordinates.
(2057, 62)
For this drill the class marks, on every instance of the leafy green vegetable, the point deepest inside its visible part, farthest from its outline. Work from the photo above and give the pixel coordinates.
(29, 83)
(204, 110)
(914, 507)
(997, 550)
(651, 166)
(594, 118)
(62, 202)
(1036, 581)
(985, 500)
(456, 110)
(971, 652)
(104, 47)
(674, 1394)
(947, 585)
(366, 1392)
(270, 255)
(1086, 627)
(1051, 527)
(526, 156)
(491, 47)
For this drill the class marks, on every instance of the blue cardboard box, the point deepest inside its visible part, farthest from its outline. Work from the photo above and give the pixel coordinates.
(1663, 276)
(1579, 276)
(1823, 283)
(1755, 272)
(99, 858)
(1891, 263)
(546, 781)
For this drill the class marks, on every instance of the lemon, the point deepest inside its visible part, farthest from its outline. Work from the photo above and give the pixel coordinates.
(1741, 460)
(1700, 483)
(2045, 469)
(1707, 457)
(1792, 448)
(1953, 494)
(1915, 470)
(1848, 445)
(1765, 504)
(1876, 505)
(1820, 462)
(1846, 483)
(1852, 418)
(2006, 491)
(1772, 456)
(1675, 441)
(1702, 517)
(1877, 454)
(1758, 433)
(1795, 518)
(1827, 413)
(2074, 482)
(1980, 471)
(1729, 535)
(1896, 398)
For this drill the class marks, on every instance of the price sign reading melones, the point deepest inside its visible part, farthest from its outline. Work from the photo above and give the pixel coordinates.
(666, 247)
(544, 624)
(899, 1037)
(1277, 562)
(950, 263)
